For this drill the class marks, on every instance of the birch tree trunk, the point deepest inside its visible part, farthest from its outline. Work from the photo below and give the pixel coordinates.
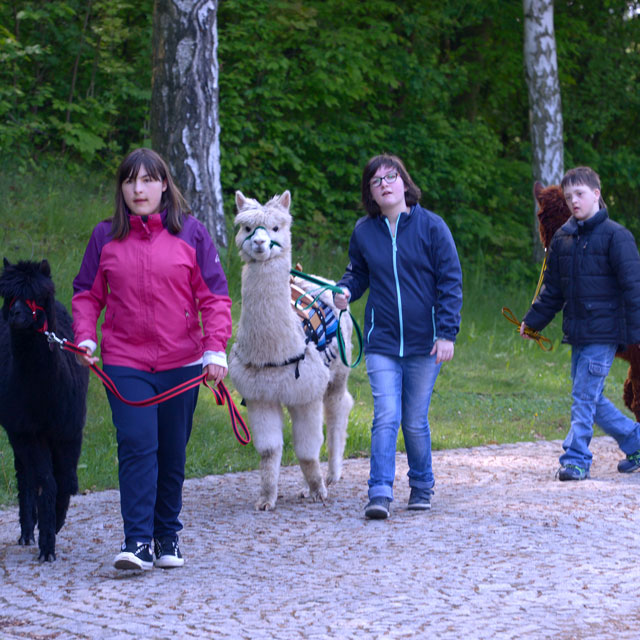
(185, 128)
(545, 108)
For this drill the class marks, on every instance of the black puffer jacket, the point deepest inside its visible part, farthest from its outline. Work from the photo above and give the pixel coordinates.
(593, 275)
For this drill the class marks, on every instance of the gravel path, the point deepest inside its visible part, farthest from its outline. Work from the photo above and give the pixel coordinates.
(505, 552)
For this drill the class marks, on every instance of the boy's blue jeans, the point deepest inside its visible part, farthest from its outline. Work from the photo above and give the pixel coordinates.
(401, 390)
(590, 366)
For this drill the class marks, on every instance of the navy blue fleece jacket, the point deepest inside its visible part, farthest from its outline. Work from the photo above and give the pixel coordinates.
(414, 281)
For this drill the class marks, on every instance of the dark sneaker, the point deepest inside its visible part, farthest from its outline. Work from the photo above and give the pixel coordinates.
(420, 499)
(572, 472)
(134, 555)
(378, 508)
(168, 553)
(631, 463)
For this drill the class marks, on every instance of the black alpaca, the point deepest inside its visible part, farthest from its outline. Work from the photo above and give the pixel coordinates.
(42, 401)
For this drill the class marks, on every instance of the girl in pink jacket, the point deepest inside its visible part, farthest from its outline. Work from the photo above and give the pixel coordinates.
(156, 271)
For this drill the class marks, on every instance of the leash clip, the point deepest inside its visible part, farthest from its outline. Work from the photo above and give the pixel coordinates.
(52, 337)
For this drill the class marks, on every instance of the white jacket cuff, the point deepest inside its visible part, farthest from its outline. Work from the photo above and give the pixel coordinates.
(215, 357)
(89, 343)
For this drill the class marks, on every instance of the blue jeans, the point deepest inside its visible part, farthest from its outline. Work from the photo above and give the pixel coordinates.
(152, 444)
(401, 390)
(590, 366)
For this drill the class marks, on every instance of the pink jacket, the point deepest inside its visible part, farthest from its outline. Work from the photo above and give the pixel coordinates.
(155, 286)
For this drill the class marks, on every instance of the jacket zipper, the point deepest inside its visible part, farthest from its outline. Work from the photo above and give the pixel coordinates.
(395, 275)
(372, 325)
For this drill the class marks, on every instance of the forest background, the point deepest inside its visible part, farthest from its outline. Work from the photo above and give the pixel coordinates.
(309, 90)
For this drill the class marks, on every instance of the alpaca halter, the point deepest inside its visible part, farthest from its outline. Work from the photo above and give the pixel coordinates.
(34, 309)
(273, 242)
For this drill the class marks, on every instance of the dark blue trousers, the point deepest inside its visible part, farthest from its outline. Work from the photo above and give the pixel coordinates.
(152, 444)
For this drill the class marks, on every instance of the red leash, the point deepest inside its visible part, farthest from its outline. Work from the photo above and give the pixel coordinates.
(220, 392)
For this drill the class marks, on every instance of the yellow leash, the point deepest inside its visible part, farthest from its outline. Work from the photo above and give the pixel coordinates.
(541, 278)
(543, 342)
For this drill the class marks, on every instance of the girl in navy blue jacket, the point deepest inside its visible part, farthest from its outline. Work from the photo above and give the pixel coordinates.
(406, 257)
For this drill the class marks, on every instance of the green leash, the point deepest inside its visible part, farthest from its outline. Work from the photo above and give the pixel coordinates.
(327, 286)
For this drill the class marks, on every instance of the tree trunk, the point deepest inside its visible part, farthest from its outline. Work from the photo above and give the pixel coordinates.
(185, 128)
(545, 109)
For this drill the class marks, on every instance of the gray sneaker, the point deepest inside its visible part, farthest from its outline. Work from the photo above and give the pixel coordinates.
(378, 508)
(420, 499)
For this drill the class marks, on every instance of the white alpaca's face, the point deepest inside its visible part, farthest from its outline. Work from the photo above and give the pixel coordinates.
(263, 231)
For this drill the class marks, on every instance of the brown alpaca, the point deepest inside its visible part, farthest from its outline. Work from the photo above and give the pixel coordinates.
(552, 214)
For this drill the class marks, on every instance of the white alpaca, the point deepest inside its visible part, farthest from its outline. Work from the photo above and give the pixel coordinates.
(271, 364)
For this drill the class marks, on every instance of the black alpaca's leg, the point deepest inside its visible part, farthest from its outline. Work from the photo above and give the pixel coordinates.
(26, 489)
(65, 456)
(46, 500)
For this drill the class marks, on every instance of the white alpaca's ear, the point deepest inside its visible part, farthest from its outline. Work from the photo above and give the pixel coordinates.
(285, 200)
(240, 200)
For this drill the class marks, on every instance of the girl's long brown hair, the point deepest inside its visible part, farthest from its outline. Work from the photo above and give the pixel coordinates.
(157, 169)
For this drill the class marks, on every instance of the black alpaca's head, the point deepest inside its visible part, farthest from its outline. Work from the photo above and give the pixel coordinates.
(29, 295)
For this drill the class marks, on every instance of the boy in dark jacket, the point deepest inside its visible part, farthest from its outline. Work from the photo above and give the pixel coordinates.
(593, 275)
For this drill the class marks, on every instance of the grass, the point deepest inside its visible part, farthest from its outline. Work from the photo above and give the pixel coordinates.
(498, 388)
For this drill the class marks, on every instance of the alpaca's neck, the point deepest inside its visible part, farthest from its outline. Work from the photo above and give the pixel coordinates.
(31, 353)
(265, 285)
(268, 331)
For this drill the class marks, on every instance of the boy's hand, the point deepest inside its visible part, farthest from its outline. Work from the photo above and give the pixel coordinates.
(341, 300)
(523, 326)
(443, 349)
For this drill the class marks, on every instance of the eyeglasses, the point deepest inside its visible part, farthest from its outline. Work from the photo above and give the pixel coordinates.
(390, 178)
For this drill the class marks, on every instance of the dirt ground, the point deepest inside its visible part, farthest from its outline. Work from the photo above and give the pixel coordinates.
(507, 551)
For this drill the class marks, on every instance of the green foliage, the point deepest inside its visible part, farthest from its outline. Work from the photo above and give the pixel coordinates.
(599, 63)
(310, 90)
(74, 77)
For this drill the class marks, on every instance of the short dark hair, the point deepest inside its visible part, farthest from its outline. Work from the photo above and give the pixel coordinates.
(412, 194)
(583, 175)
(157, 169)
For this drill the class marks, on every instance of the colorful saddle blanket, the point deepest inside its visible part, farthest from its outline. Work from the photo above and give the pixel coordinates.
(318, 320)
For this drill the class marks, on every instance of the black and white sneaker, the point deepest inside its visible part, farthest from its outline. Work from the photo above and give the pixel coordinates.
(134, 556)
(168, 554)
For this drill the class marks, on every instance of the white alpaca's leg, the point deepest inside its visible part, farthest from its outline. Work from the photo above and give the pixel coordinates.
(337, 406)
(266, 422)
(306, 425)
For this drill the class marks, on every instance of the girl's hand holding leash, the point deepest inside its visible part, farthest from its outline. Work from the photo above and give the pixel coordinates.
(443, 349)
(215, 372)
(86, 360)
(341, 300)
